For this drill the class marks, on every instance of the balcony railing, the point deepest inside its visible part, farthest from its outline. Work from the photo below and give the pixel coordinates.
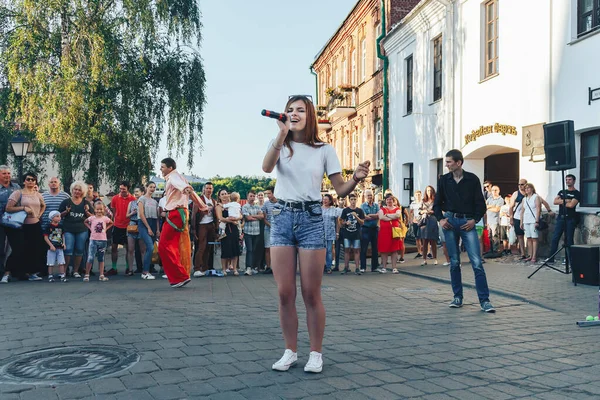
(341, 104)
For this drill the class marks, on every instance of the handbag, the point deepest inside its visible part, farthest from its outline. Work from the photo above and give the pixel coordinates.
(542, 225)
(14, 220)
(133, 229)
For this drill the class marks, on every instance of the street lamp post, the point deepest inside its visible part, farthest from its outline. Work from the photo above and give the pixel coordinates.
(20, 146)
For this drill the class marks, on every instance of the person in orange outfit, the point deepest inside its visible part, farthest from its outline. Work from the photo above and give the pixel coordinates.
(174, 246)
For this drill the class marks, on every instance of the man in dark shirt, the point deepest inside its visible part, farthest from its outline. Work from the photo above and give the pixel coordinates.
(459, 205)
(572, 197)
(351, 220)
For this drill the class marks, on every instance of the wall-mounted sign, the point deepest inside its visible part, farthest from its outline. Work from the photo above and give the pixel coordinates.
(594, 94)
(486, 130)
(533, 140)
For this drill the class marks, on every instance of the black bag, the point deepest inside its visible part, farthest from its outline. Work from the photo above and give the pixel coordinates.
(542, 225)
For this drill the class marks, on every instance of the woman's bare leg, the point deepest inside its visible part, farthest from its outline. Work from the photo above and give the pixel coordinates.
(311, 274)
(284, 272)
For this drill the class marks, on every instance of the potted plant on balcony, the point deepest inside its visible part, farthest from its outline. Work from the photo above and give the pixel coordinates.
(330, 91)
(346, 88)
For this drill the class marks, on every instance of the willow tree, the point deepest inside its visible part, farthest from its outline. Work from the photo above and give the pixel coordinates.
(105, 79)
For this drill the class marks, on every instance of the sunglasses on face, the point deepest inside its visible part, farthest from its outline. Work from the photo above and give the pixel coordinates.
(30, 179)
(522, 184)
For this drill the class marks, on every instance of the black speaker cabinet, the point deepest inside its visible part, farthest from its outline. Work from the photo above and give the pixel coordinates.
(559, 145)
(585, 263)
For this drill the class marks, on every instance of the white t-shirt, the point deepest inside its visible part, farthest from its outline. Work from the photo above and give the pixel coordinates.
(299, 178)
(162, 202)
(208, 218)
(234, 209)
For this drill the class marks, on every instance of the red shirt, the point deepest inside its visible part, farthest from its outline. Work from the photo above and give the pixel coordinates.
(120, 204)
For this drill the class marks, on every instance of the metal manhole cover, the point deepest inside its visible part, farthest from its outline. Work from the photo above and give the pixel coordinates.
(70, 364)
(415, 290)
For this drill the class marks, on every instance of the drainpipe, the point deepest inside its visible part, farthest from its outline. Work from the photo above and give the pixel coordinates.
(380, 55)
(449, 4)
(312, 71)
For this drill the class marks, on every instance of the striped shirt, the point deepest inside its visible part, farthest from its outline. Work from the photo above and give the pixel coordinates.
(52, 204)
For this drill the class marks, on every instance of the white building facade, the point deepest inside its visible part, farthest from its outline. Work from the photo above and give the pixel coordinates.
(484, 77)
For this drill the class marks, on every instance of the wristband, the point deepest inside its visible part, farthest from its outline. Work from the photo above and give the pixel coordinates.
(355, 179)
(275, 147)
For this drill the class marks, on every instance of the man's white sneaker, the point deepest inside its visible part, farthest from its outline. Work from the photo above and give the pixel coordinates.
(198, 274)
(248, 271)
(315, 363)
(289, 358)
(165, 277)
(5, 279)
(148, 276)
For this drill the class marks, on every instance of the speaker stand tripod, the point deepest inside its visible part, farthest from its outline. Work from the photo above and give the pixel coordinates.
(566, 247)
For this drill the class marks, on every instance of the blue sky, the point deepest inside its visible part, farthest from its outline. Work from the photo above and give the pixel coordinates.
(255, 53)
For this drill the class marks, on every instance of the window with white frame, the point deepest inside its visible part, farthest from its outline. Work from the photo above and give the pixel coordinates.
(437, 68)
(491, 38)
(363, 60)
(346, 151)
(377, 59)
(588, 16)
(355, 148)
(409, 84)
(378, 145)
(363, 147)
(336, 74)
(353, 72)
(590, 168)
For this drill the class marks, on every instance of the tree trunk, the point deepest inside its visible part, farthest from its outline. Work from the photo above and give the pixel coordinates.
(65, 168)
(93, 173)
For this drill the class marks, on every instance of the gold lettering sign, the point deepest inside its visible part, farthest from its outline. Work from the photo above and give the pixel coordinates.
(486, 130)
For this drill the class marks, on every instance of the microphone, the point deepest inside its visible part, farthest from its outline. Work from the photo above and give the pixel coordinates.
(274, 115)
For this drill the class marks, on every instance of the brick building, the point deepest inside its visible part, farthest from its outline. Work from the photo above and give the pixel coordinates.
(350, 80)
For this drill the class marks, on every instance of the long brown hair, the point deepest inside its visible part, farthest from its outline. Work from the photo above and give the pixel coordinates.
(311, 129)
(426, 198)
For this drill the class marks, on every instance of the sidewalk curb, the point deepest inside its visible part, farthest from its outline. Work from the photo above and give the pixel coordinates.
(472, 286)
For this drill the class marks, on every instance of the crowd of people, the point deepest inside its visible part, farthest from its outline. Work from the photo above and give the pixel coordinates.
(63, 229)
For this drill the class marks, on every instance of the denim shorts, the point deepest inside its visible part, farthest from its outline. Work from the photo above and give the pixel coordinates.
(75, 243)
(351, 244)
(267, 237)
(298, 228)
(97, 248)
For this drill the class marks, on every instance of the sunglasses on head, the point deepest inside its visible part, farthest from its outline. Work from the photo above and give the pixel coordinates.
(307, 96)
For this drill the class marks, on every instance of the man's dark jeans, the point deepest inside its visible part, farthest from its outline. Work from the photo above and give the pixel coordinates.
(561, 226)
(251, 242)
(368, 235)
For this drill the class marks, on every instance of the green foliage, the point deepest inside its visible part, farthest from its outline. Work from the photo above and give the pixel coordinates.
(242, 184)
(105, 80)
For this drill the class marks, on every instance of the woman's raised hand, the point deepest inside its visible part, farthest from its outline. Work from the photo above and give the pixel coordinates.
(362, 171)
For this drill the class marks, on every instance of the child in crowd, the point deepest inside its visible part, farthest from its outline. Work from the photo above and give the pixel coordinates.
(234, 209)
(54, 237)
(98, 224)
(505, 225)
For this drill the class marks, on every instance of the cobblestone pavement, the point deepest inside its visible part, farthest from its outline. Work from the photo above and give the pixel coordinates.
(387, 337)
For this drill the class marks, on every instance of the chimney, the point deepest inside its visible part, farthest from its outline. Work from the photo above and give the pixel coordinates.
(398, 9)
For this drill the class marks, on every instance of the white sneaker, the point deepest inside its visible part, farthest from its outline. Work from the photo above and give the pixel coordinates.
(446, 264)
(362, 270)
(248, 271)
(255, 271)
(395, 271)
(76, 275)
(165, 277)
(382, 270)
(148, 276)
(315, 363)
(198, 274)
(289, 358)
(5, 279)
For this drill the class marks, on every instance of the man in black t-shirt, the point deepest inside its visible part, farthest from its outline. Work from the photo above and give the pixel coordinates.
(567, 223)
(351, 220)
